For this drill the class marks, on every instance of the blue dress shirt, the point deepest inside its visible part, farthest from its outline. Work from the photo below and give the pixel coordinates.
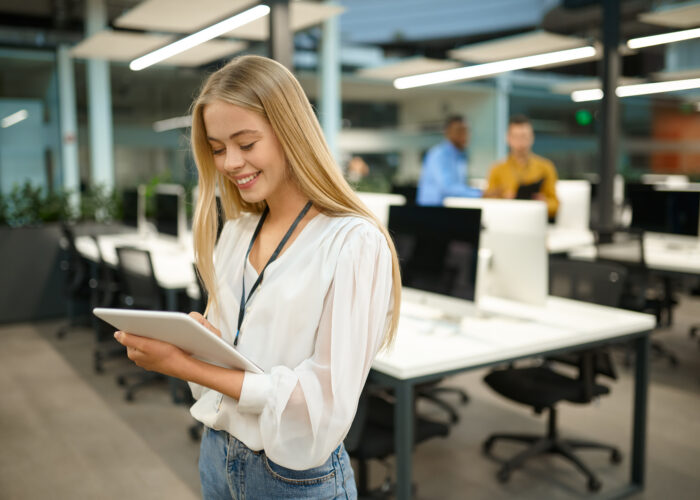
(444, 174)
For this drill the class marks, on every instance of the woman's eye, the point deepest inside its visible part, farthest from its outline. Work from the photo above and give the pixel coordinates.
(217, 152)
(247, 147)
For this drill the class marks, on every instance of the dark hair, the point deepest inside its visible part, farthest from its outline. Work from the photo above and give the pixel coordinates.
(452, 119)
(519, 120)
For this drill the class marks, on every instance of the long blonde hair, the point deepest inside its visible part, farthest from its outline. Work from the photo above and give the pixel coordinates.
(266, 87)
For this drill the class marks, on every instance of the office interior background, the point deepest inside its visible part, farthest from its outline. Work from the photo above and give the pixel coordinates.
(89, 145)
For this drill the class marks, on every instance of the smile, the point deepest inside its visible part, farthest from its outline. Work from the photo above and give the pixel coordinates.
(246, 180)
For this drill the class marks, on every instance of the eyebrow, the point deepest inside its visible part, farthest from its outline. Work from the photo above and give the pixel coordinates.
(236, 134)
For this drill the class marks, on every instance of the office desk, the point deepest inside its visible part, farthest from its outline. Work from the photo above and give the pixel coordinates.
(668, 253)
(172, 259)
(510, 331)
(564, 239)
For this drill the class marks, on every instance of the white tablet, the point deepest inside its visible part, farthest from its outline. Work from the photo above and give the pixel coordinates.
(179, 329)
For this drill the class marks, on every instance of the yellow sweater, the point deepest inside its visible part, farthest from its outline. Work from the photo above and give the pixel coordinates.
(505, 178)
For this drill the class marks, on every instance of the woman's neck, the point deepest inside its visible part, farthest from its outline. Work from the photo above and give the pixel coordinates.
(285, 205)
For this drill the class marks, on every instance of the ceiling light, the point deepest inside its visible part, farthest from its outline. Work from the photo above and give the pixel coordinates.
(638, 89)
(14, 118)
(493, 68)
(172, 123)
(202, 36)
(676, 36)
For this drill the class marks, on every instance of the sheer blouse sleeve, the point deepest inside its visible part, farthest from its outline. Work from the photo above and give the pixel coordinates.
(306, 411)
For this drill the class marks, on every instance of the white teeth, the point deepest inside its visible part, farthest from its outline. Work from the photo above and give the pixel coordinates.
(245, 180)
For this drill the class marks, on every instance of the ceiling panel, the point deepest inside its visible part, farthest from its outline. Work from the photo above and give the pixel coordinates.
(536, 42)
(412, 66)
(687, 16)
(180, 16)
(302, 15)
(127, 46)
(119, 45)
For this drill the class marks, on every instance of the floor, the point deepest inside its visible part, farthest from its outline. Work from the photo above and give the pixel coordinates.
(67, 433)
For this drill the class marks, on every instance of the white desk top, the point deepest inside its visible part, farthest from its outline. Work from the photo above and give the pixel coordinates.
(564, 239)
(662, 252)
(172, 260)
(507, 330)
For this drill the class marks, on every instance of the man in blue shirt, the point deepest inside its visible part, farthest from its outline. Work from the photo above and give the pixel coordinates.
(444, 171)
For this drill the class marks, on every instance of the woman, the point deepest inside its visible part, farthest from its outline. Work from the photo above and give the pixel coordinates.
(303, 280)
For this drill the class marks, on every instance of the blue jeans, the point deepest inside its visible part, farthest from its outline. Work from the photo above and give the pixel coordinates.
(230, 470)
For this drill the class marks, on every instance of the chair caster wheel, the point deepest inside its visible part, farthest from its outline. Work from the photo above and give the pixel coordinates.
(503, 475)
(121, 380)
(615, 457)
(594, 485)
(673, 361)
(129, 396)
(486, 447)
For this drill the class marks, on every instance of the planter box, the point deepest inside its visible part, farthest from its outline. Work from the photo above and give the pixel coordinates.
(31, 281)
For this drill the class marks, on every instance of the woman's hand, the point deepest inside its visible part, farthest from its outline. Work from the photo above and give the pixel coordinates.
(201, 319)
(154, 355)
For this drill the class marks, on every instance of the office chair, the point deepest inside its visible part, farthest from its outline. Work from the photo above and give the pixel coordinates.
(140, 291)
(542, 387)
(77, 279)
(106, 293)
(371, 436)
(643, 291)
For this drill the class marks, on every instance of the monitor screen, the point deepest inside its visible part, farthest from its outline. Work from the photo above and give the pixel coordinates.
(167, 207)
(438, 248)
(664, 211)
(130, 210)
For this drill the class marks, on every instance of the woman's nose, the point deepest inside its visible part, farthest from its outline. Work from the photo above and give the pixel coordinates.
(233, 160)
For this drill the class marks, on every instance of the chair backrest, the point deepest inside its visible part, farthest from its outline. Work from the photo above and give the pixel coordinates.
(73, 264)
(597, 282)
(138, 279)
(626, 248)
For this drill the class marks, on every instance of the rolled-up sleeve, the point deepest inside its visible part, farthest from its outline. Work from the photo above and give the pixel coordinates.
(306, 411)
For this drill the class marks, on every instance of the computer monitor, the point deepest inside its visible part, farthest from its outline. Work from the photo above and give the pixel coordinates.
(170, 217)
(574, 204)
(438, 248)
(663, 209)
(515, 233)
(134, 207)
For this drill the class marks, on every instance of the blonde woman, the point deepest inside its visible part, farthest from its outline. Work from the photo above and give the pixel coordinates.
(303, 280)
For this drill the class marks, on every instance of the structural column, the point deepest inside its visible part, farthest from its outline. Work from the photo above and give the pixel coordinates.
(503, 86)
(281, 37)
(99, 104)
(330, 99)
(68, 125)
(610, 111)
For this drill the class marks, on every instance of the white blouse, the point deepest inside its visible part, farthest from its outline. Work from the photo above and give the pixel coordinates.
(314, 325)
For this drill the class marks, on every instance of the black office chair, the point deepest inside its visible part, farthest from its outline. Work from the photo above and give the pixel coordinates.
(140, 291)
(77, 281)
(542, 387)
(371, 436)
(106, 293)
(643, 292)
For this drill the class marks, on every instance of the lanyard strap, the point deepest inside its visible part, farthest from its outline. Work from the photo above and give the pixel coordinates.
(244, 301)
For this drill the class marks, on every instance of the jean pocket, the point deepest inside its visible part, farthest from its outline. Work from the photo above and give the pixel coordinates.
(315, 475)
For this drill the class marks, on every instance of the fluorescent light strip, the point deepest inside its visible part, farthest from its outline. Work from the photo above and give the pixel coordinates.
(14, 118)
(202, 36)
(172, 123)
(637, 89)
(676, 36)
(493, 68)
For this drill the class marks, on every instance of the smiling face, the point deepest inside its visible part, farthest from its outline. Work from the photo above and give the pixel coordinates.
(246, 151)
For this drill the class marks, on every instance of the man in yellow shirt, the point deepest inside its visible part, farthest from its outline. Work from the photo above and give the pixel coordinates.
(523, 174)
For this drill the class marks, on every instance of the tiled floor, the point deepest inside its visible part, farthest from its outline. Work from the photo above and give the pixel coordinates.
(67, 433)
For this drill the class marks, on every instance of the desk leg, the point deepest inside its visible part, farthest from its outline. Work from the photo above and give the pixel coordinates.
(639, 430)
(403, 438)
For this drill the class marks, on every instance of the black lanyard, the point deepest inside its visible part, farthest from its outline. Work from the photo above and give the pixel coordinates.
(244, 301)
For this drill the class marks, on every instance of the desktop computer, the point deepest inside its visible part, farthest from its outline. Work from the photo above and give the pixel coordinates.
(170, 217)
(663, 209)
(515, 234)
(134, 208)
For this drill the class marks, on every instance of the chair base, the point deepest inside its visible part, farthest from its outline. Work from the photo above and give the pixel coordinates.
(550, 443)
(142, 378)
